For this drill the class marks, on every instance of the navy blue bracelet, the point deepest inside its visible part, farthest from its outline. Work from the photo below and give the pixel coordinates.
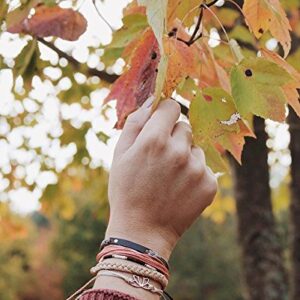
(134, 246)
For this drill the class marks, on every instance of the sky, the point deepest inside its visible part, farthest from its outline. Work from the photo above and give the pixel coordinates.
(43, 97)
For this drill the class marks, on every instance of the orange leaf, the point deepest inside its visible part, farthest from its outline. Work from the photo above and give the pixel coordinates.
(280, 26)
(183, 60)
(211, 72)
(234, 142)
(258, 16)
(137, 83)
(52, 21)
(268, 15)
(290, 89)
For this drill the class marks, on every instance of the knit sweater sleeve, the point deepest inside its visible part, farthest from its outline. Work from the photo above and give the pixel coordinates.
(105, 295)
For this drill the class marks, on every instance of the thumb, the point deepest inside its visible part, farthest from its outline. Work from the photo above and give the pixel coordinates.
(133, 126)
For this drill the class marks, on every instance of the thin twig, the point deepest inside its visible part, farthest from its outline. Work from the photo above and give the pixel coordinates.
(109, 78)
(196, 35)
(198, 25)
(102, 17)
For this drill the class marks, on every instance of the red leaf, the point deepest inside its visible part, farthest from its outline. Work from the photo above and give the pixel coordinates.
(52, 21)
(137, 83)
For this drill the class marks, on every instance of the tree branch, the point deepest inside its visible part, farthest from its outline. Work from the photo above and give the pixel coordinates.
(109, 78)
(94, 72)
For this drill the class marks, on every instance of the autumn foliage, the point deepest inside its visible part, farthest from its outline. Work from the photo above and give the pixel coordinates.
(167, 51)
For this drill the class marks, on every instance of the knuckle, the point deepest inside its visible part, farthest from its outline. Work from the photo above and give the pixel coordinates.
(172, 105)
(180, 157)
(156, 143)
(185, 126)
(197, 172)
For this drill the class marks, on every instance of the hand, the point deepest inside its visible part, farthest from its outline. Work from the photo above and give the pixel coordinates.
(159, 182)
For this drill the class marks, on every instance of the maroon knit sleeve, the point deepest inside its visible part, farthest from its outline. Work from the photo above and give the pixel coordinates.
(105, 295)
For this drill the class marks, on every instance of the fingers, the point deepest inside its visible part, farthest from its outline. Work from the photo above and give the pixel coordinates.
(204, 173)
(133, 126)
(162, 122)
(182, 133)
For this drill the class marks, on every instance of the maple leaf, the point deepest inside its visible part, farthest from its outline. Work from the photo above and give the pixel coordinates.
(257, 88)
(290, 89)
(52, 21)
(268, 15)
(138, 82)
(216, 124)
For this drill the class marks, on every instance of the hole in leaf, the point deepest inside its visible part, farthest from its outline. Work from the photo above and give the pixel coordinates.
(248, 73)
(261, 30)
(153, 55)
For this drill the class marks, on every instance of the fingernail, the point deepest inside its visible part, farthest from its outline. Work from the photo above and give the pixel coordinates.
(148, 103)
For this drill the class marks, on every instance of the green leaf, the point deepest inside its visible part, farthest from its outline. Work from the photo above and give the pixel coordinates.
(213, 115)
(111, 55)
(103, 137)
(241, 33)
(50, 2)
(133, 25)
(257, 88)
(25, 58)
(156, 14)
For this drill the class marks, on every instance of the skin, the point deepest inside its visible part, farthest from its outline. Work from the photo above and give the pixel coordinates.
(159, 185)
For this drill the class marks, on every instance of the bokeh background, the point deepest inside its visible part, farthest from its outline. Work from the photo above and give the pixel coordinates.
(56, 147)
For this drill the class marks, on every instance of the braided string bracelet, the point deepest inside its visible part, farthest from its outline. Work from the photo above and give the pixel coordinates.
(130, 267)
(134, 281)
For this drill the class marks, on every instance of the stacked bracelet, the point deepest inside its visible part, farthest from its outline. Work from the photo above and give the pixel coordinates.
(120, 258)
(122, 251)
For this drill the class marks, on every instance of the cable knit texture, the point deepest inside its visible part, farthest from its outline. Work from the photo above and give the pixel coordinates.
(105, 295)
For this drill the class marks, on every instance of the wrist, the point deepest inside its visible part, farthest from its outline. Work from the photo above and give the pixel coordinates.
(154, 239)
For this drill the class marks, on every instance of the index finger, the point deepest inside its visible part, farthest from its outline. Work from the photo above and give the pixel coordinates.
(162, 121)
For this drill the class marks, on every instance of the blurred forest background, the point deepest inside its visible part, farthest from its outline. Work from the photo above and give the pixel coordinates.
(56, 143)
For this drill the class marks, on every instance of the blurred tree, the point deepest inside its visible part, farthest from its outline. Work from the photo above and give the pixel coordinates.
(261, 250)
(205, 264)
(295, 203)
